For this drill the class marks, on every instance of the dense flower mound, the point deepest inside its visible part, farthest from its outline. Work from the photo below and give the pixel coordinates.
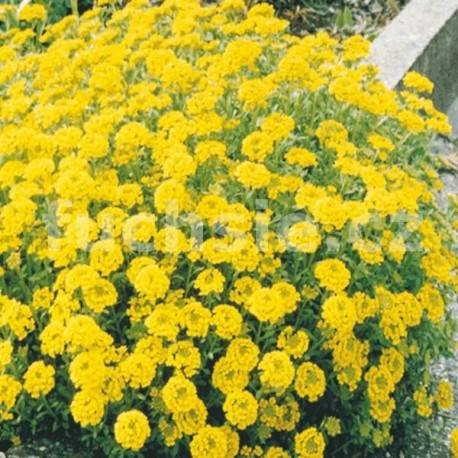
(217, 239)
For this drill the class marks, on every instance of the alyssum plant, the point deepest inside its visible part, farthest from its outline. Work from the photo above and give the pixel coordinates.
(217, 239)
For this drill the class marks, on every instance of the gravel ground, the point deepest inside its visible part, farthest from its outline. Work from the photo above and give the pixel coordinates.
(433, 438)
(43, 449)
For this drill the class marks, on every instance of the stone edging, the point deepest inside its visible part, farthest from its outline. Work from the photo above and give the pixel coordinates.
(423, 37)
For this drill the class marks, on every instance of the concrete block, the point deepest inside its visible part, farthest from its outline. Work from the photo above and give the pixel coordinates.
(423, 37)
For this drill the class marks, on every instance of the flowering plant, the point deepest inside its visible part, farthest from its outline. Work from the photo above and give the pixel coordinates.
(217, 239)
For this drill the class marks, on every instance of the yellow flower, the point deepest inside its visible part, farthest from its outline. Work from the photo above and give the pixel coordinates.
(282, 416)
(6, 350)
(294, 343)
(309, 443)
(132, 429)
(99, 295)
(301, 156)
(111, 221)
(255, 92)
(393, 325)
(277, 370)
(339, 312)
(14, 261)
(266, 305)
(210, 281)
(244, 353)
(31, 13)
(454, 443)
(411, 121)
(82, 332)
(431, 300)
(164, 321)
(137, 370)
(332, 275)
(370, 252)
(257, 145)
(241, 409)
(381, 143)
(179, 394)
(276, 452)
(289, 296)
(171, 196)
(423, 402)
(228, 321)
(192, 420)
(228, 376)
(209, 442)
(52, 339)
(196, 319)
(42, 298)
(88, 407)
(132, 136)
(380, 383)
(331, 134)
(106, 256)
(304, 237)
(418, 82)
(9, 391)
(394, 361)
(396, 248)
(88, 370)
(444, 396)
(179, 166)
(252, 175)
(39, 379)
(243, 288)
(308, 194)
(278, 126)
(251, 452)
(128, 195)
(310, 381)
(382, 409)
(355, 48)
(184, 356)
(152, 282)
(17, 316)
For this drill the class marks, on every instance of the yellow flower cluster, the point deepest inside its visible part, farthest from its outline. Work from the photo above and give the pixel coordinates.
(241, 409)
(218, 239)
(454, 443)
(444, 396)
(39, 379)
(132, 429)
(423, 402)
(332, 275)
(10, 389)
(35, 12)
(310, 381)
(309, 444)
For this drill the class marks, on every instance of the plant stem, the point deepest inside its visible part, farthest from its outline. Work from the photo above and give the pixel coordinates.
(258, 334)
(312, 115)
(74, 5)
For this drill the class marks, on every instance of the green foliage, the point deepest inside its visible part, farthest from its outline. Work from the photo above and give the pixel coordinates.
(339, 17)
(57, 9)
